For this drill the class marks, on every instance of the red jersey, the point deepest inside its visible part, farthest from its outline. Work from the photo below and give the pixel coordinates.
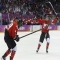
(45, 24)
(12, 29)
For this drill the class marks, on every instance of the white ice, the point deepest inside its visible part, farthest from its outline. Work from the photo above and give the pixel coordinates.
(26, 47)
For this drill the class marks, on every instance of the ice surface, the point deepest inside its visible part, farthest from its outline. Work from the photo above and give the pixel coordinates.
(26, 47)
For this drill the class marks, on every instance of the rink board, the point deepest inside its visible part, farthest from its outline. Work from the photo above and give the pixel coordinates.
(32, 27)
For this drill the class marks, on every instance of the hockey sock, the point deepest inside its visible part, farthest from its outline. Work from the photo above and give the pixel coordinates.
(12, 55)
(38, 46)
(6, 53)
(47, 45)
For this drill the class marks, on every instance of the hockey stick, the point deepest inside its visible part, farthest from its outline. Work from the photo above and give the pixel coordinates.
(29, 33)
(52, 7)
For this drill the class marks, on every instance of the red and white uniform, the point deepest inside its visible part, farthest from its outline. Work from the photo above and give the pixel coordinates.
(12, 29)
(45, 24)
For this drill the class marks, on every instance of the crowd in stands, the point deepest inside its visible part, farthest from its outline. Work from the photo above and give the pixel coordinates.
(27, 10)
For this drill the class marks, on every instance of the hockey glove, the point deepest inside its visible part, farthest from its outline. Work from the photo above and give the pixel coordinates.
(17, 38)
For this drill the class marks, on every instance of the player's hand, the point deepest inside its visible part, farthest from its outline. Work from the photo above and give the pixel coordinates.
(17, 38)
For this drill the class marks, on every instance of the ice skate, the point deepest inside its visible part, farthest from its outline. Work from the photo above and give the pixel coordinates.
(37, 50)
(46, 50)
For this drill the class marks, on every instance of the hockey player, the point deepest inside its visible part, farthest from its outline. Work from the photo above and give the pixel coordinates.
(45, 32)
(10, 38)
